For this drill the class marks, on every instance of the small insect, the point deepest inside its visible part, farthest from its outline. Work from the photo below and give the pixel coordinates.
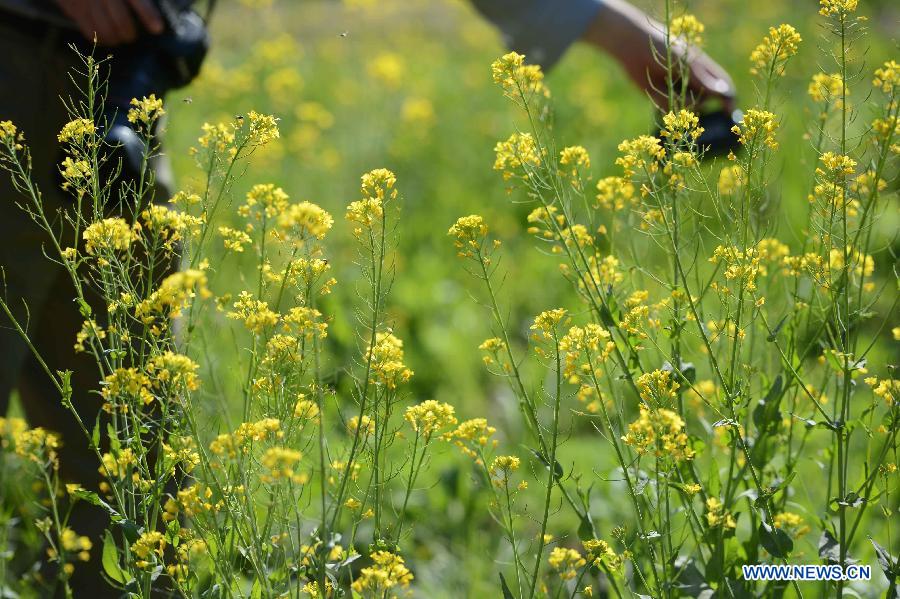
(188, 100)
(344, 34)
(239, 117)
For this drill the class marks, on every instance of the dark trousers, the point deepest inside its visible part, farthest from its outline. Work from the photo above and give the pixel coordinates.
(34, 75)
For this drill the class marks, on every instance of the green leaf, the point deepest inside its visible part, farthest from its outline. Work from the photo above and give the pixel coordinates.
(586, 528)
(774, 540)
(110, 560)
(507, 594)
(557, 467)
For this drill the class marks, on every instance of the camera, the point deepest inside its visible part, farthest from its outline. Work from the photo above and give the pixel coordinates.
(155, 64)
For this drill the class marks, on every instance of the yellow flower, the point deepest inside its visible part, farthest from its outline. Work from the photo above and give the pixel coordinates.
(681, 126)
(836, 7)
(661, 433)
(127, 383)
(234, 240)
(386, 358)
(306, 220)
(775, 50)
(566, 562)
(429, 417)
(640, 154)
(148, 548)
(470, 233)
(688, 27)
(35, 444)
(366, 424)
(387, 67)
(108, 235)
(386, 572)
(757, 126)
(255, 314)
(517, 78)
(174, 369)
(717, 515)
(75, 131)
(792, 523)
(545, 325)
(658, 387)
(887, 77)
(826, 87)
(145, 111)
(470, 436)
(306, 409)
(9, 135)
(76, 544)
(614, 193)
(731, 178)
(886, 389)
(575, 156)
(280, 463)
(519, 151)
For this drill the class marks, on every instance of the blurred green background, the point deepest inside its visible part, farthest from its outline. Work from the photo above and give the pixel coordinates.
(405, 84)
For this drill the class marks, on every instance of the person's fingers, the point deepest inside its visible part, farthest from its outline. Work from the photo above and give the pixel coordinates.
(120, 21)
(707, 78)
(148, 15)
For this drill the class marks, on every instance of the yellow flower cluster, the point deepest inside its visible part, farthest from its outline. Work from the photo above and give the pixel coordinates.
(263, 128)
(255, 314)
(145, 111)
(835, 167)
(470, 232)
(366, 424)
(108, 235)
(306, 220)
(731, 178)
(234, 239)
(76, 131)
(519, 151)
(791, 522)
(887, 77)
(9, 135)
(658, 388)
(773, 52)
(614, 193)
(174, 370)
(501, 468)
(264, 200)
(377, 188)
(689, 28)
(545, 325)
(386, 357)
(306, 409)
(515, 77)
(429, 417)
(35, 444)
(148, 549)
(661, 433)
(841, 8)
(173, 295)
(642, 153)
(600, 553)
(685, 125)
(74, 543)
(471, 436)
(886, 389)
(170, 225)
(826, 87)
(387, 571)
(248, 432)
(493, 347)
(280, 463)
(566, 562)
(585, 350)
(717, 515)
(574, 159)
(757, 126)
(125, 384)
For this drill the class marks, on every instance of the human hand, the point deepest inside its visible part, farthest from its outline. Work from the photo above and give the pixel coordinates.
(112, 22)
(639, 44)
